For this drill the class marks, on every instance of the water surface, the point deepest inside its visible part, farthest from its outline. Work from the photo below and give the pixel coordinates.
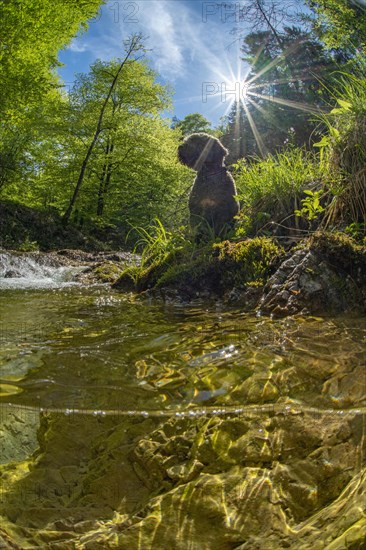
(94, 348)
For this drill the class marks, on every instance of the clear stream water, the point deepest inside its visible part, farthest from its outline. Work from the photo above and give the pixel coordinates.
(90, 347)
(88, 350)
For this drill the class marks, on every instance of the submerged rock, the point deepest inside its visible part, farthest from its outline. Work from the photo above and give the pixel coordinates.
(11, 274)
(250, 481)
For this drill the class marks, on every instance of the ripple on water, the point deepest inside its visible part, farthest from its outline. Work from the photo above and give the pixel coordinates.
(104, 350)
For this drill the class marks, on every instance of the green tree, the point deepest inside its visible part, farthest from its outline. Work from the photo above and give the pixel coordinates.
(32, 33)
(132, 173)
(285, 86)
(236, 133)
(192, 123)
(340, 23)
(133, 46)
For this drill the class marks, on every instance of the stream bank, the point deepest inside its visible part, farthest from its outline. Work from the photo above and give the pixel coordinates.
(323, 274)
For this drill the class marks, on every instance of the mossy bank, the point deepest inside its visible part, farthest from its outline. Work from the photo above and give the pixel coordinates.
(325, 272)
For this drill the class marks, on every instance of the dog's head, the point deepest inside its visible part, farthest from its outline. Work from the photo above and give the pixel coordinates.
(199, 149)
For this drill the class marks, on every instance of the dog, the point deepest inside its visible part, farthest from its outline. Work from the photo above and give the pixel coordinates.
(212, 200)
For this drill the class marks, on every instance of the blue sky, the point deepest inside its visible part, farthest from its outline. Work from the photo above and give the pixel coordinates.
(191, 48)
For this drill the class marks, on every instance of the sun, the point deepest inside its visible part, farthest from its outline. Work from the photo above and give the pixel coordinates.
(250, 93)
(234, 90)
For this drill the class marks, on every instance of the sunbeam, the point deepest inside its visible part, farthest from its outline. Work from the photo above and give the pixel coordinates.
(275, 61)
(266, 114)
(299, 78)
(257, 136)
(306, 107)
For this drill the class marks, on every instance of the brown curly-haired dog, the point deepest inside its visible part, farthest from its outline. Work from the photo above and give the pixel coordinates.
(212, 198)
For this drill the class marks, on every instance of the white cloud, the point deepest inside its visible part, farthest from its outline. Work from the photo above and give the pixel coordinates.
(77, 46)
(161, 21)
(183, 44)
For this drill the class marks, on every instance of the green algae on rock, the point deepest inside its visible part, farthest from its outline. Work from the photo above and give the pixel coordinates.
(215, 269)
(102, 272)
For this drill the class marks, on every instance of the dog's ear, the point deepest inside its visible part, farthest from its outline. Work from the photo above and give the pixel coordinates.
(190, 150)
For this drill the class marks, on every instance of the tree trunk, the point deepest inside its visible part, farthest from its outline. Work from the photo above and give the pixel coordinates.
(100, 203)
(134, 45)
(105, 179)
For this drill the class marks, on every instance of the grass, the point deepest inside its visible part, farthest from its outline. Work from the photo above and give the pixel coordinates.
(346, 146)
(156, 243)
(179, 262)
(270, 190)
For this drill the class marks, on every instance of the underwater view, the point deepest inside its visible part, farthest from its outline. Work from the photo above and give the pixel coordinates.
(134, 423)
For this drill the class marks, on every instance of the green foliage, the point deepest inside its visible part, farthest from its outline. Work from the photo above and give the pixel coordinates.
(133, 174)
(345, 144)
(32, 33)
(192, 123)
(310, 206)
(160, 250)
(340, 23)
(271, 189)
(157, 243)
(356, 230)
(28, 246)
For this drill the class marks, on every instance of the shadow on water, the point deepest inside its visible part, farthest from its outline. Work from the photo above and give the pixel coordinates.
(132, 424)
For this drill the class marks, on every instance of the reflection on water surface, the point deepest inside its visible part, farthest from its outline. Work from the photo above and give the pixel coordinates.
(91, 348)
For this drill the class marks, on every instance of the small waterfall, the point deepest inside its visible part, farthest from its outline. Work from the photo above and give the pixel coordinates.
(33, 271)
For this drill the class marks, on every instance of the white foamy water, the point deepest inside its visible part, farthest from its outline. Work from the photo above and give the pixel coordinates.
(22, 272)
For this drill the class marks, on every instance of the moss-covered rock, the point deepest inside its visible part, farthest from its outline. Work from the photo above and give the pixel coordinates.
(104, 272)
(214, 270)
(247, 262)
(324, 273)
(127, 280)
(342, 252)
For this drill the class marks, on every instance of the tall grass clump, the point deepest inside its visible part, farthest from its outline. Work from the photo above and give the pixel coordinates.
(271, 189)
(156, 243)
(346, 145)
(159, 249)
